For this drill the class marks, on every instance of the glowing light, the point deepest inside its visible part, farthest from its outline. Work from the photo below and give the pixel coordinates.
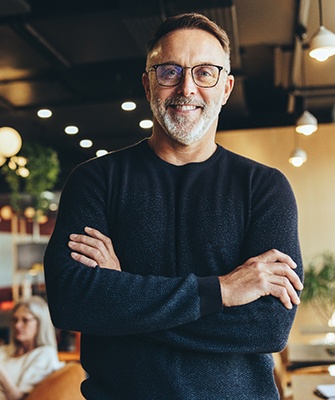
(146, 124)
(6, 213)
(23, 172)
(71, 130)
(86, 143)
(29, 212)
(128, 106)
(101, 152)
(10, 141)
(298, 157)
(44, 113)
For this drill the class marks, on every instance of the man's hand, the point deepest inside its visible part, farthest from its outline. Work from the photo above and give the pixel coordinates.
(270, 273)
(94, 249)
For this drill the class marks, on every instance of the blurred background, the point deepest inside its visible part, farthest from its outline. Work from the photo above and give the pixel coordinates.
(82, 61)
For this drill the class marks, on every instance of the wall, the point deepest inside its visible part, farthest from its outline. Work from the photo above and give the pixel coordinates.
(313, 185)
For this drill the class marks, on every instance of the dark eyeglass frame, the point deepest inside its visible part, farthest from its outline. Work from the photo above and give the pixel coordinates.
(154, 68)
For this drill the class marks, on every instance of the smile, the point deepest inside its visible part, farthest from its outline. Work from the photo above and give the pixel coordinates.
(184, 107)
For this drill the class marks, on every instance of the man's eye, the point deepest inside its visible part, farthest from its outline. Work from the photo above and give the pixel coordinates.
(205, 72)
(170, 73)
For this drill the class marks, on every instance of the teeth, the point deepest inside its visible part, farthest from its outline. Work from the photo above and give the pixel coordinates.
(185, 107)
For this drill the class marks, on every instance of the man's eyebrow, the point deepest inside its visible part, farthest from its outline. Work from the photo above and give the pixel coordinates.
(196, 63)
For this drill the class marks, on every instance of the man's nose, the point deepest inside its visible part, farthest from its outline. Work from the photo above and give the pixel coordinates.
(187, 87)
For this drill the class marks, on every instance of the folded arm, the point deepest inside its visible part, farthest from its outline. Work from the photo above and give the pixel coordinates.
(12, 392)
(270, 276)
(270, 273)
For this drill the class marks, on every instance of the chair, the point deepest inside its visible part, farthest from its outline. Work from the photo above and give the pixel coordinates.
(281, 375)
(63, 384)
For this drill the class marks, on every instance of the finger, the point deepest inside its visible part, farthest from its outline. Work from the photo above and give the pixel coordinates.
(91, 243)
(287, 285)
(284, 271)
(98, 235)
(84, 239)
(91, 252)
(282, 288)
(83, 259)
(95, 240)
(275, 255)
(281, 293)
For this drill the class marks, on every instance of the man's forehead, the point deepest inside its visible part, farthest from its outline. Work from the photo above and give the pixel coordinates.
(194, 43)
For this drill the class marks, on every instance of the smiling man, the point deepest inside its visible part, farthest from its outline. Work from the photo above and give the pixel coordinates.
(178, 260)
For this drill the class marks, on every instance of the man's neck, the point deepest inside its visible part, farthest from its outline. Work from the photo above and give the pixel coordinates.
(176, 153)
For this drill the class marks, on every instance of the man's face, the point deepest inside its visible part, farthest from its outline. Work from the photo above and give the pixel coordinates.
(187, 112)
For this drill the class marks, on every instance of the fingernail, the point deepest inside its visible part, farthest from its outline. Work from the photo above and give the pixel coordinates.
(73, 235)
(87, 228)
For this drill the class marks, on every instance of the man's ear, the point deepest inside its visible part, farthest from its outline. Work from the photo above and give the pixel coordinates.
(146, 85)
(228, 88)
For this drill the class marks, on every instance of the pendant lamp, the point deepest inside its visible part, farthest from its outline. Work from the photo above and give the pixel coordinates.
(298, 156)
(306, 123)
(322, 45)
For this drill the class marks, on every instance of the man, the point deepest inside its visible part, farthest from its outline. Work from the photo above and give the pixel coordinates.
(174, 257)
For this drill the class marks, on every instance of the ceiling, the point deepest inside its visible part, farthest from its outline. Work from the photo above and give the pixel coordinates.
(83, 59)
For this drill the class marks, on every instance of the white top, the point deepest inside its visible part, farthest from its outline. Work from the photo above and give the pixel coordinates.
(29, 369)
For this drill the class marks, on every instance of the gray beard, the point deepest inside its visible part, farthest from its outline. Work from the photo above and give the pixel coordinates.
(180, 127)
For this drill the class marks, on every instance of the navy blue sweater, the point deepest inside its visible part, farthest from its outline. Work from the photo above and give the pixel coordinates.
(157, 330)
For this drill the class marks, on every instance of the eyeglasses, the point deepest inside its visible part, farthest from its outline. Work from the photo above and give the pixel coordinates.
(204, 75)
(24, 320)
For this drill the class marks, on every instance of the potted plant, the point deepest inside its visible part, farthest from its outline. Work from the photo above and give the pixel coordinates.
(33, 171)
(319, 287)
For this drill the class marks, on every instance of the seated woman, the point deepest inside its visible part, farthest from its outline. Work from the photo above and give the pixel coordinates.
(32, 353)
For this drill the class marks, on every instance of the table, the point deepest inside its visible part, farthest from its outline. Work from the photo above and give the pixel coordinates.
(300, 355)
(303, 385)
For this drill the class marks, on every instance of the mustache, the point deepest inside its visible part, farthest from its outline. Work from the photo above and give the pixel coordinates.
(181, 100)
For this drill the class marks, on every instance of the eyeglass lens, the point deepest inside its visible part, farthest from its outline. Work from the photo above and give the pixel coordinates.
(203, 75)
(25, 321)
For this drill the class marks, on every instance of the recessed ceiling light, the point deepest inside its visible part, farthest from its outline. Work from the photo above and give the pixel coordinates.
(71, 130)
(86, 143)
(101, 152)
(44, 113)
(146, 124)
(128, 106)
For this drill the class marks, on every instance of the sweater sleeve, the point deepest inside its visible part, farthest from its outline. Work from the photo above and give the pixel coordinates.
(105, 302)
(262, 326)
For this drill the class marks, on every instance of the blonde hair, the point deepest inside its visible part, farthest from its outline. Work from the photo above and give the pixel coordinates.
(38, 307)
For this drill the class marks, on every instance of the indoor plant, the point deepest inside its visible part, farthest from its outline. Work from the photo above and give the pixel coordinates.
(33, 171)
(319, 286)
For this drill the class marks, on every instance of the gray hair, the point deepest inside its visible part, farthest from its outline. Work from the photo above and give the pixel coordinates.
(38, 307)
(190, 21)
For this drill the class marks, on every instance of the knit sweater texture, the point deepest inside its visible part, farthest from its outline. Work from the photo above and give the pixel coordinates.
(157, 330)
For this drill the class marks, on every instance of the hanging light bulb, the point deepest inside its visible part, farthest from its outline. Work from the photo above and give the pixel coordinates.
(10, 141)
(298, 157)
(323, 42)
(306, 123)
